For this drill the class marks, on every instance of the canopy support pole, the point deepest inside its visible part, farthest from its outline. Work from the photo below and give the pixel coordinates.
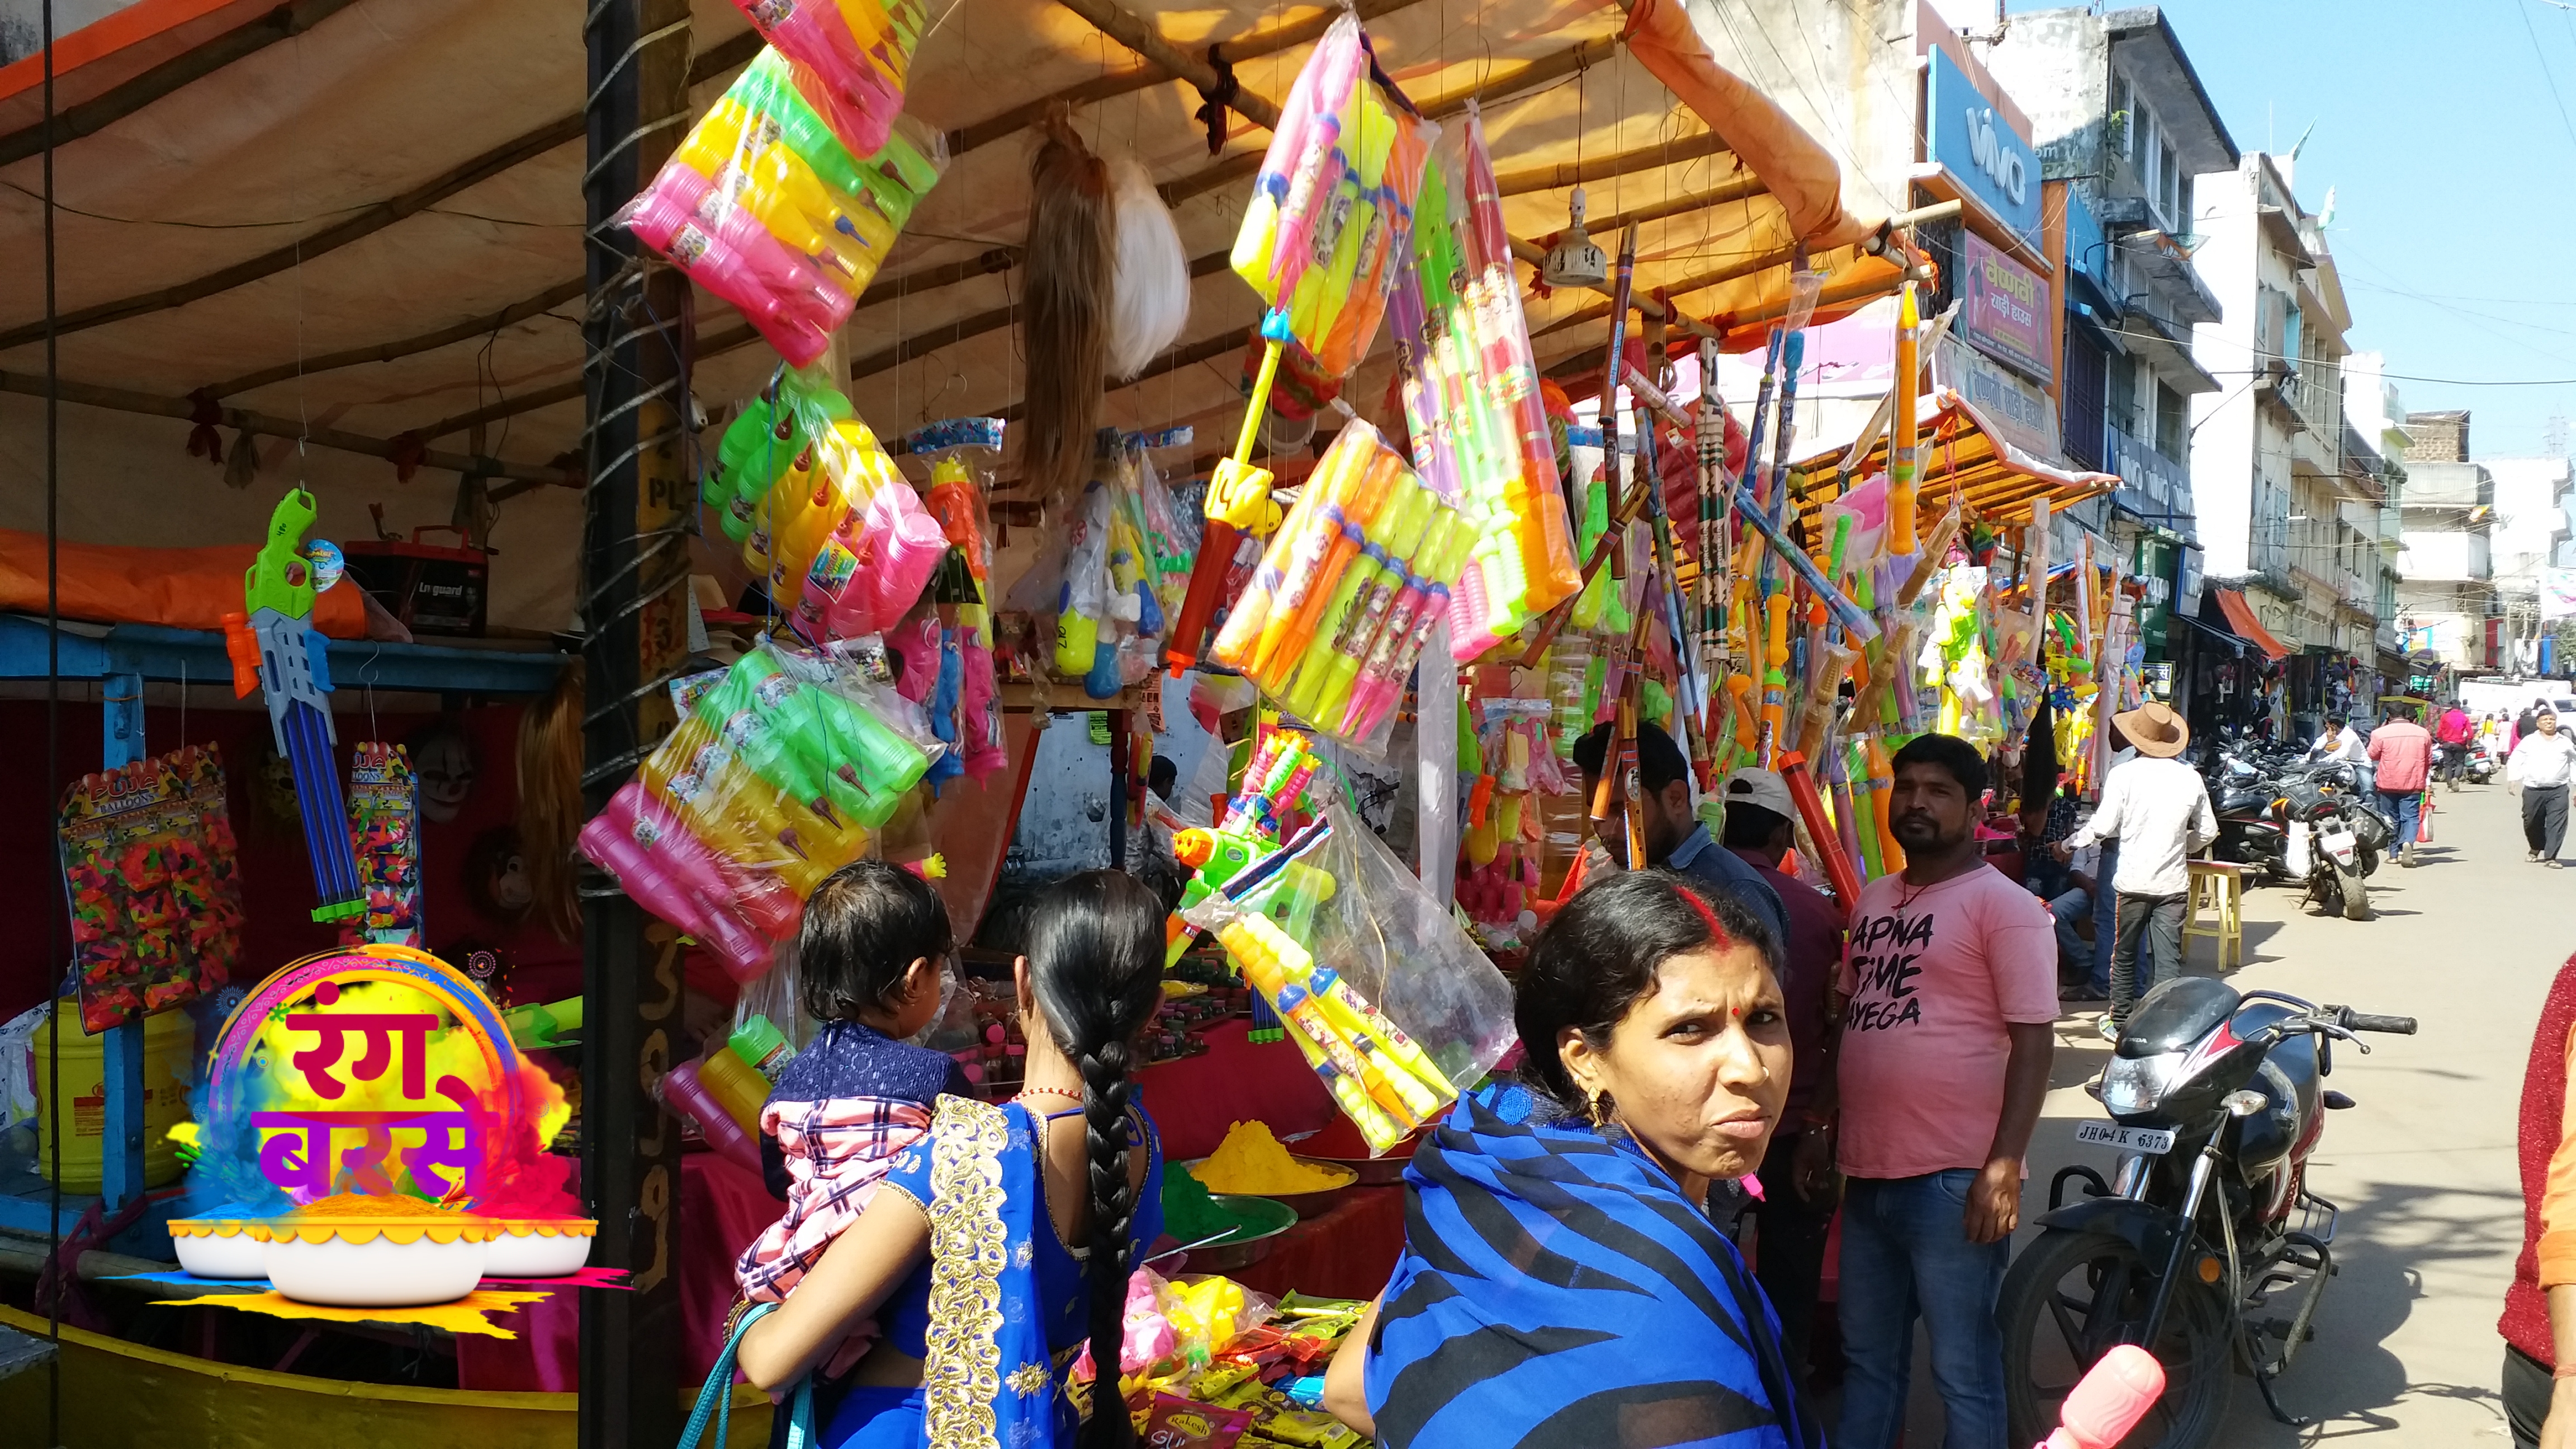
(633, 577)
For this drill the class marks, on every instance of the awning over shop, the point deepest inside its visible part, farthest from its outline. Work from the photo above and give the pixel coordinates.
(2240, 617)
(2235, 643)
(1963, 457)
(392, 266)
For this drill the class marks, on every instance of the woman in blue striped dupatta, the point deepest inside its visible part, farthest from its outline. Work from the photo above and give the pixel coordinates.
(1561, 1283)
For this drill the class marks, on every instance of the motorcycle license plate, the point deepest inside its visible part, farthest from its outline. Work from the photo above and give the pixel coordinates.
(2155, 1140)
(2337, 842)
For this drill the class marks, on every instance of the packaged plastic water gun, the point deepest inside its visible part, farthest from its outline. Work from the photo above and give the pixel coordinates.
(850, 546)
(543, 1026)
(769, 207)
(1086, 646)
(828, 751)
(738, 914)
(1331, 211)
(1472, 402)
(962, 453)
(849, 58)
(1274, 787)
(1384, 1083)
(275, 650)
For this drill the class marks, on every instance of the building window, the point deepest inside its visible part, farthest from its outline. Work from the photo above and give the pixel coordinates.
(2173, 433)
(2081, 424)
(2169, 187)
(2120, 385)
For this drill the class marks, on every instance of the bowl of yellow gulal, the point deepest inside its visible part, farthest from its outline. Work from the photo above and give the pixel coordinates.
(1251, 1163)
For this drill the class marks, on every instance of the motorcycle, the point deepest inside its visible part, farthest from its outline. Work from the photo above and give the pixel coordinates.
(2323, 848)
(2264, 816)
(2216, 1104)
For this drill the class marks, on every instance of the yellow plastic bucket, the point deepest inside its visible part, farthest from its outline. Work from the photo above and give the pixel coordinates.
(169, 1039)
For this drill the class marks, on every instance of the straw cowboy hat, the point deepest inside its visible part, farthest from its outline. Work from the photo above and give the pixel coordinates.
(2155, 729)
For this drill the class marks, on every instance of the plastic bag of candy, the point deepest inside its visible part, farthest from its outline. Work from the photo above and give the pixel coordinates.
(384, 828)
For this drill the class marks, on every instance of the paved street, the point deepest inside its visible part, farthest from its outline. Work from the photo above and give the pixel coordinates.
(2406, 1352)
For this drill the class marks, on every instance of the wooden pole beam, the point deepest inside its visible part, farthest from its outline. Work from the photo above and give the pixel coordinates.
(269, 425)
(1140, 36)
(1618, 163)
(713, 62)
(1259, 43)
(189, 66)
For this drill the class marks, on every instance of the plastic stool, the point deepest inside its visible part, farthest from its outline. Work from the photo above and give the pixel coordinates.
(2219, 885)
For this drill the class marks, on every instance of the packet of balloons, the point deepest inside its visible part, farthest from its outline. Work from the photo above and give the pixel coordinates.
(134, 861)
(384, 826)
(781, 766)
(1382, 991)
(849, 58)
(1345, 596)
(779, 211)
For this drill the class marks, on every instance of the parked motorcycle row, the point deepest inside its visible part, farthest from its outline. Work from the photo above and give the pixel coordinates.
(2303, 821)
(2206, 1246)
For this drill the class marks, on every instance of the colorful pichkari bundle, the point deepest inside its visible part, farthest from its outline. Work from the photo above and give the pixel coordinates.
(384, 829)
(844, 542)
(770, 206)
(1471, 399)
(1348, 591)
(849, 58)
(149, 927)
(1330, 220)
(780, 768)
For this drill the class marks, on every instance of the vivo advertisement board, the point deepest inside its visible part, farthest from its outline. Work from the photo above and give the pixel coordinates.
(1973, 143)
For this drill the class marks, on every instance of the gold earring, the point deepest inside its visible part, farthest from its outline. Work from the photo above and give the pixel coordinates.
(1599, 1108)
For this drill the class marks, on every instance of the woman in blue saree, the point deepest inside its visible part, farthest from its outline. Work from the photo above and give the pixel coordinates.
(1561, 1282)
(967, 1257)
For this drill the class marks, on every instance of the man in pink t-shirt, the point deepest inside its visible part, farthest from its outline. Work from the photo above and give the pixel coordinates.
(1949, 985)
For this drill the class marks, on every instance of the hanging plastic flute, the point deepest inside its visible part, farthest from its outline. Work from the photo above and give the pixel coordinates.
(1694, 689)
(275, 650)
(1716, 584)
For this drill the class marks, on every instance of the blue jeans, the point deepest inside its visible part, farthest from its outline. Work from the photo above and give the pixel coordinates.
(1906, 1255)
(2066, 910)
(2106, 912)
(2409, 807)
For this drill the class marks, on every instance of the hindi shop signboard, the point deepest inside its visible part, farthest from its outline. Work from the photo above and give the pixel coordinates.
(2004, 308)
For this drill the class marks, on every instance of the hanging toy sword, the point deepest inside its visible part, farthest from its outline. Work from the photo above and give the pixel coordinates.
(275, 650)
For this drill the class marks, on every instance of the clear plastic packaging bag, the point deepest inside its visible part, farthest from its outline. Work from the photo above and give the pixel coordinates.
(773, 208)
(849, 58)
(1391, 1003)
(1347, 591)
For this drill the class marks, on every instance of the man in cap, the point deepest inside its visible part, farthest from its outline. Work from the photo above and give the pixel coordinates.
(2156, 807)
(1794, 1220)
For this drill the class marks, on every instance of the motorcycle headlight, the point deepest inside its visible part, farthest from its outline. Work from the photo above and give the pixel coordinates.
(2133, 1086)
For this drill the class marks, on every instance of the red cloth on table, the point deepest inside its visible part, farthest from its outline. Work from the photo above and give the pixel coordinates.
(1349, 1252)
(1196, 1098)
(722, 1207)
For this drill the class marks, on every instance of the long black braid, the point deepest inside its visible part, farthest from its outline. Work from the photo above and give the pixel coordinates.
(1096, 966)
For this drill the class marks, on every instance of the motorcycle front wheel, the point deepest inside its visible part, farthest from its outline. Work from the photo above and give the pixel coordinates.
(2069, 1298)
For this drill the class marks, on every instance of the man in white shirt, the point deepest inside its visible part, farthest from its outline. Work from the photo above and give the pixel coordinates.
(2541, 764)
(2158, 809)
(2342, 742)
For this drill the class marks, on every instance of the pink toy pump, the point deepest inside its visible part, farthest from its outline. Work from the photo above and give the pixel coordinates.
(2110, 1400)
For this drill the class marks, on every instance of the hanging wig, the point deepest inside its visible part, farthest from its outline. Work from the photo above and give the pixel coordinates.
(1153, 291)
(1069, 289)
(550, 810)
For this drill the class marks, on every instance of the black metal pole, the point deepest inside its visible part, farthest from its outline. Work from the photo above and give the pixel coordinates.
(57, 905)
(634, 562)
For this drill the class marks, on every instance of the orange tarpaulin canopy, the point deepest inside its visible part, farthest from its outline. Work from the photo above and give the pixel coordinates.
(1960, 456)
(2240, 617)
(183, 588)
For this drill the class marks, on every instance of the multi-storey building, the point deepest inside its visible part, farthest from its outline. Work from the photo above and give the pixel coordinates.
(2446, 598)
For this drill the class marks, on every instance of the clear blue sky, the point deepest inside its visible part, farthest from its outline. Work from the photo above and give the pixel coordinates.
(2454, 173)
